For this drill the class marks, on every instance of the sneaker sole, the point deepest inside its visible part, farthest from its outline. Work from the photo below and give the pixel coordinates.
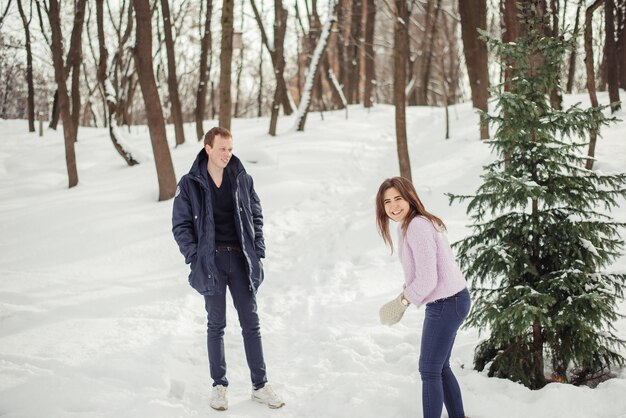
(219, 408)
(265, 403)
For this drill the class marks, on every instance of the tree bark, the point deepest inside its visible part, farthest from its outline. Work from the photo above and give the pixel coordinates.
(314, 69)
(426, 61)
(172, 80)
(205, 46)
(370, 54)
(4, 14)
(285, 101)
(571, 72)
(29, 67)
(107, 87)
(54, 116)
(611, 58)
(621, 41)
(60, 76)
(353, 50)
(401, 51)
(226, 56)
(280, 28)
(591, 85)
(74, 61)
(473, 17)
(152, 102)
(556, 99)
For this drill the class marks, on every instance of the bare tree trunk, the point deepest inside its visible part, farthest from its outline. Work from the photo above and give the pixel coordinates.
(64, 103)
(511, 31)
(285, 101)
(401, 52)
(260, 96)
(226, 57)
(341, 43)
(426, 61)
(280, 28)
(172, 80)
(473, 17)
(370, 54)
(74, 61)
(54, 116)
(611, 58)
(29, 67)
(152, 102)
(571, 72)
(239, 68)
(591, 85)
(4, 14)
(556, 99)
(417, 90)
(205, 46)
(353, 52)
(107, 87)
(314, 69)
(621, 41)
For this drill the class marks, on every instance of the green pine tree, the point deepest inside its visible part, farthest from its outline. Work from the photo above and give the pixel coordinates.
(541, 235)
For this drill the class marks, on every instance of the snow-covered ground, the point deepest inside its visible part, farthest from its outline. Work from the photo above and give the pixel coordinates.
(97, 318)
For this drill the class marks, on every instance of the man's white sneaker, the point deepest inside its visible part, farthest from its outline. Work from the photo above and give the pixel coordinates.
(218, 398)
(267, 396)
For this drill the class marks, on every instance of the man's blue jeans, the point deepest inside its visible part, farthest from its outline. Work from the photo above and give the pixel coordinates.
(439, 386)
(234, 274)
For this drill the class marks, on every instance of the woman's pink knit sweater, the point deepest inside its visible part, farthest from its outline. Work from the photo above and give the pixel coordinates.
(430, 270)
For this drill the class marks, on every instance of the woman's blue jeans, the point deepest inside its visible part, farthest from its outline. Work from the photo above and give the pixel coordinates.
(439, 386)
(234, 274)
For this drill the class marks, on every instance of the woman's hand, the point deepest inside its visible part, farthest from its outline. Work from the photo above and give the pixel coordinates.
(391, 312)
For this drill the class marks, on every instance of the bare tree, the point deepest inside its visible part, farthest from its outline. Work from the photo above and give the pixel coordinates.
(172, 80)
(60, 76)
(29, 66)
(305, 102)
(401, 52)
(427, 52)
(114, 133)
(474, 17)
(591, 85)
(4, 14)
(571, 71)
(621, 40)
(353, 53)
(226, 56)
(239, 67)
(611, 57)
(280, 28)
(152, 102)
(205, 46)
(370, 57)
(285, 100)
(74, 62)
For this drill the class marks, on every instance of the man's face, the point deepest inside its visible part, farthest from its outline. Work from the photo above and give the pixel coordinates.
(221, 151)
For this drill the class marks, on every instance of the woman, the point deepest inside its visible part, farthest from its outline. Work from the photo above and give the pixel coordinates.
(432, 277)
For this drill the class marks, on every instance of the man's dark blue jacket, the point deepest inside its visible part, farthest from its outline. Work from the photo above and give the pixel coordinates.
(194, 227)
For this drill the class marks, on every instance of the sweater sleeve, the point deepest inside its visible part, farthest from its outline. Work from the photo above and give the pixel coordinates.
(420, 238)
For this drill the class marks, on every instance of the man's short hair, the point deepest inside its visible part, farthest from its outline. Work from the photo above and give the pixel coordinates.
(209, 137)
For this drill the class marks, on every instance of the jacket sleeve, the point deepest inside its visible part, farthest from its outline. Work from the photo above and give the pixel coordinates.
(421, 240)
(257, 220)
(183, 222)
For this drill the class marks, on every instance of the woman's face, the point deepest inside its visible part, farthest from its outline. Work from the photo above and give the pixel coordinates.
(395, 206)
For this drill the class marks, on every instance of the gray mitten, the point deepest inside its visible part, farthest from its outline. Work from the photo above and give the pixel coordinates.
(392, 312)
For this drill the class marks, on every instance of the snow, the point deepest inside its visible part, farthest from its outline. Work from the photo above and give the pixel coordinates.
(97, 318)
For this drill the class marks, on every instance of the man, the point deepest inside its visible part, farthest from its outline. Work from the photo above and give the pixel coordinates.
(218, 225)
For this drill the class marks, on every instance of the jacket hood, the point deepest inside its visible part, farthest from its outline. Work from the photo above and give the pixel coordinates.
(198, 168)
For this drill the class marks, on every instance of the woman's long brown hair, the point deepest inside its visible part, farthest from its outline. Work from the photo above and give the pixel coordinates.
(416, 208)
